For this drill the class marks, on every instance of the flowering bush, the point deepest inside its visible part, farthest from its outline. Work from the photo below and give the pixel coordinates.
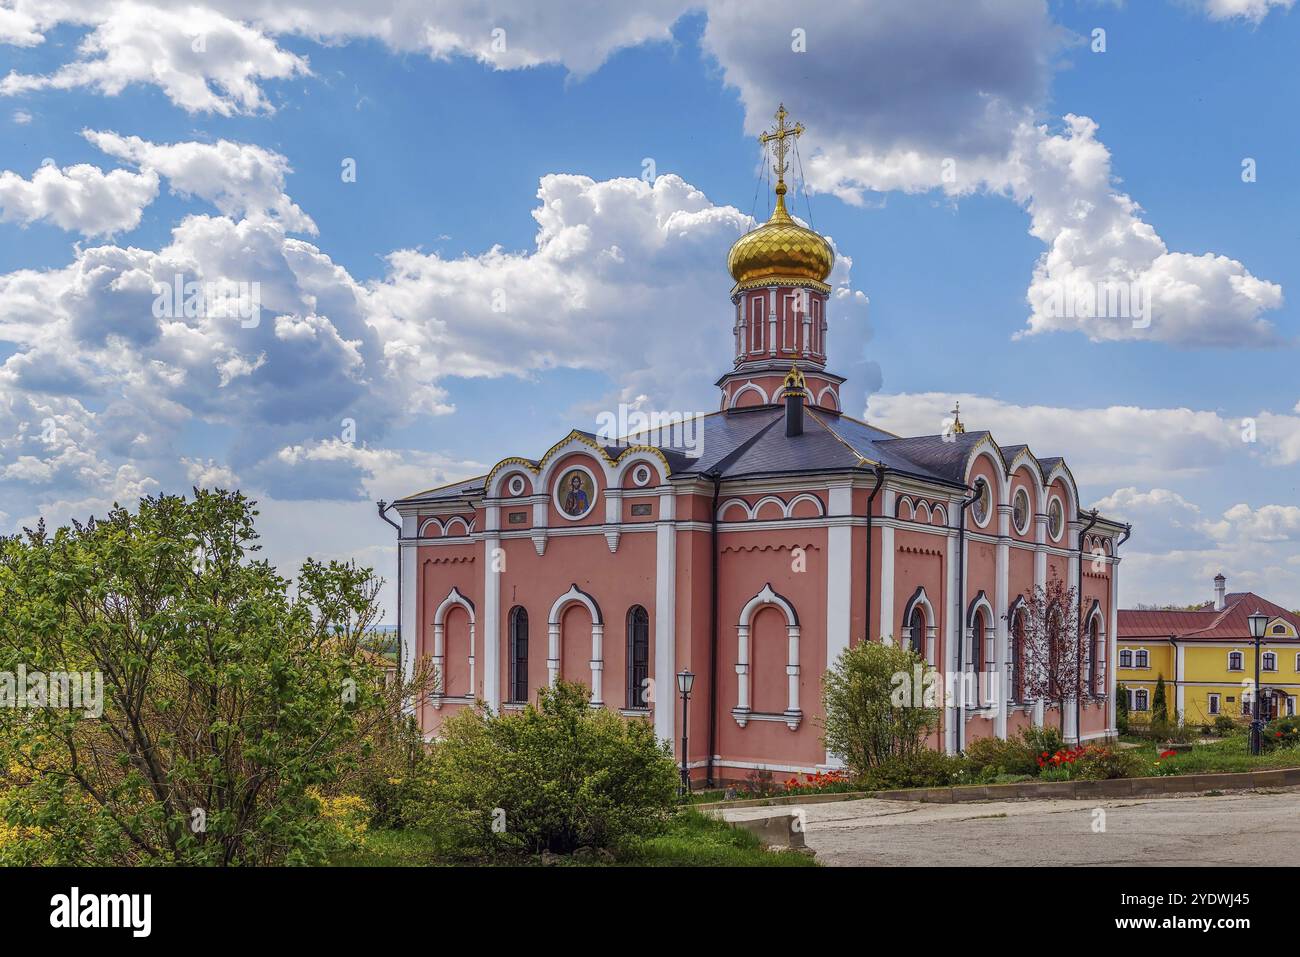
(1059, 766)
(1281, 733)
(821, 781)
(1089, 762)
(344, 817)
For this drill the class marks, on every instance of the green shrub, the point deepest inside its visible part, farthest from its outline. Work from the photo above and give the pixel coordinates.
(1121, 709)
(920, 769)
(1224, 725)
(1040, 740)
(555, 777)
(394, 775)
(1176, 732)
(998, 757)
(1099, 763)
(1281, 733)
(871, 706)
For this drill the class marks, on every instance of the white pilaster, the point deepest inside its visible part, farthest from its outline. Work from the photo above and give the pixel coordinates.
(1180, 692)
(887, 626)
(1112, 655)
(839, 574)
(1001, 601)
(1040, 581)
(1070, 704)
(665, 616)
(410, 598)
(597, 665)
(492, 563)
(552, 652)
(951, 623)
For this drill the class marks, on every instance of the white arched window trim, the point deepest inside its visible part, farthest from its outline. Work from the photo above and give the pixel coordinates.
(749, 387)
(1094, 614)
(1012, 667)
(572, 596)
(743, 713)
(454, 597)
(919, 599)
(981, 604)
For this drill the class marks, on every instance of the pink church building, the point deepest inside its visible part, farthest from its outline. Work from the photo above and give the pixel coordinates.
(752, 556)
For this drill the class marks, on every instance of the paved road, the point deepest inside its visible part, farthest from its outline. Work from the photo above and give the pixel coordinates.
(1262, 827)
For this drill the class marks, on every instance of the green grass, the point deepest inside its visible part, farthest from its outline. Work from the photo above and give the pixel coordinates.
(393, 849)
(1225, 755)
(691, 840)
(695, 840)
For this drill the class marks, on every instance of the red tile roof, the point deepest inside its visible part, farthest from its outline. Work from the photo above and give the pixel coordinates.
(1203, 623)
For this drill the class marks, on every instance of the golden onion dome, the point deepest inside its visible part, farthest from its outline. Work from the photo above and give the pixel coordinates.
(780, 249)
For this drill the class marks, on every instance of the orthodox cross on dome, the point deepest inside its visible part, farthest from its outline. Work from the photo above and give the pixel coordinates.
(776, 141)
(957, 427)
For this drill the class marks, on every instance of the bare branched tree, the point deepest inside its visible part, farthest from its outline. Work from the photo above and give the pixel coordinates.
(1054, 660)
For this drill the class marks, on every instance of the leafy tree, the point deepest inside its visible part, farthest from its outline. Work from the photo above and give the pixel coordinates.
(231, 704)
(554, 777)
(867, 721)
(1121, 709)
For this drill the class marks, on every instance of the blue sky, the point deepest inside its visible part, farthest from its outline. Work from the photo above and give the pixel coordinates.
(377, 293)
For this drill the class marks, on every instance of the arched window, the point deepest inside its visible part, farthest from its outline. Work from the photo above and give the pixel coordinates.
(1016, 680)
(917, 630)
(638, 656)
(518, 654)
(1094, 656)
(977, 654)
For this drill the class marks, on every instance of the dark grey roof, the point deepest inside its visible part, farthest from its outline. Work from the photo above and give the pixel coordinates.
(942, 456)
(1009, 453)
(473, 486)
(752, 442)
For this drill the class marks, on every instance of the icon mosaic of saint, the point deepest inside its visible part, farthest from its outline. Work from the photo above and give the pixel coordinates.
(577, 493)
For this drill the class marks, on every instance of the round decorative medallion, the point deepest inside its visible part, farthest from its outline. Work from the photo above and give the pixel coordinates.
(641, 475)
(516, 485)
(575, 492)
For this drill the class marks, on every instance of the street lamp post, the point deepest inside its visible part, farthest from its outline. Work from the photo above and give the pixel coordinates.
(1258, 622)
(685, 682)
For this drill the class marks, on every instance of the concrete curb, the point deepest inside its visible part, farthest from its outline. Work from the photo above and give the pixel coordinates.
(784, 800)
(1042, 790)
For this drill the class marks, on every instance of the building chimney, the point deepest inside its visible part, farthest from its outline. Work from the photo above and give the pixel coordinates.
(1220, 592)
(793, 393)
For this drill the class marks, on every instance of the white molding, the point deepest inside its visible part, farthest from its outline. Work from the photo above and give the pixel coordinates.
(886, 624)
(454, 597)
(491, 625)
(743, 713)
(407, 616)
(575, 595)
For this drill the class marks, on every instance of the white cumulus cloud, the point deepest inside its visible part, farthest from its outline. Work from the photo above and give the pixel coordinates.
(80, 198)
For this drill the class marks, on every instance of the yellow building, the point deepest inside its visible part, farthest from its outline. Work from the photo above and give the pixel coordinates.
(1207, 658)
